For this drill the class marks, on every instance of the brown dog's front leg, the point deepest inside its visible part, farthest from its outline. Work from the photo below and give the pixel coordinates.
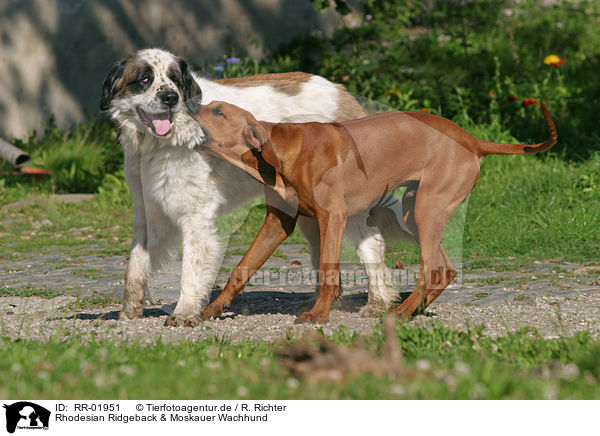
(276, 228)
(331, 229)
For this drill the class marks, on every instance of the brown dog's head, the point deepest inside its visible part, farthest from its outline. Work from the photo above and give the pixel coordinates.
(231, 132)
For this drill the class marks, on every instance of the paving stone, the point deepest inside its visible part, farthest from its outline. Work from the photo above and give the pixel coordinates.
(541, 295)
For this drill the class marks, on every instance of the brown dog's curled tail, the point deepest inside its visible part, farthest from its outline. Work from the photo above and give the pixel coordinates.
(486, 147)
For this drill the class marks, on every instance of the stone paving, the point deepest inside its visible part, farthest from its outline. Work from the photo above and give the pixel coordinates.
(284, 281)
(554, 296)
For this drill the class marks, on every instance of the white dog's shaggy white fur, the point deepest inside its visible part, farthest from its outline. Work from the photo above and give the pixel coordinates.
(179, 191)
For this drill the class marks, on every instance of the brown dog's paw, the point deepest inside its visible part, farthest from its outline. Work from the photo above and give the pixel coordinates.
(312, 317)
(306, 305)
(180, 321)
(404, 314)
(212, 311)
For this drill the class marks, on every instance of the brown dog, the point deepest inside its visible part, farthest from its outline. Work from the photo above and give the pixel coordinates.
(331, 171)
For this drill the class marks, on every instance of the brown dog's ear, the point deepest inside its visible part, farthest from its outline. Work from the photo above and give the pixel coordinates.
(256, 137)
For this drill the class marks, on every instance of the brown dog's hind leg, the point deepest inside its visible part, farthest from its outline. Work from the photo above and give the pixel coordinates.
(331, 229)
(408, 208)
(276, 228)
(434, 275)
(450, 274)
(435, 204)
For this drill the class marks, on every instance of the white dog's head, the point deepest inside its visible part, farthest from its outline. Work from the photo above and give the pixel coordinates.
(152, 91)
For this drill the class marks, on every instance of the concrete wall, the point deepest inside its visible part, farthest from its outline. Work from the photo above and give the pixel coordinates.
(54, 54)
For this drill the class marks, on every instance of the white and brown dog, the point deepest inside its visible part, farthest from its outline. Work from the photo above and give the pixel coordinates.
(179, 192)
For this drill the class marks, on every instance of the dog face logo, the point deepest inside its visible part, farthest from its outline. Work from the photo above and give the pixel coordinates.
(26, 415)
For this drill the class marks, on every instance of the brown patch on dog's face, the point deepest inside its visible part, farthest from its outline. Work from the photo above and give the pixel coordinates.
(137, 77)
(130, 76)
(174, 73)
(286, 83)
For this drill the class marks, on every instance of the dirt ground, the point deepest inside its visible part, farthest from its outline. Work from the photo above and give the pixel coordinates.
(558, 298)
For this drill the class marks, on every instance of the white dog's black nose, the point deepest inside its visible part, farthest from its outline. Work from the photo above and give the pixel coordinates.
(170, 98)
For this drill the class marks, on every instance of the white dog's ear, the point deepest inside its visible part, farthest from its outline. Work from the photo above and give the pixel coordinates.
(192, 94)
(108, 87)
(256, 137)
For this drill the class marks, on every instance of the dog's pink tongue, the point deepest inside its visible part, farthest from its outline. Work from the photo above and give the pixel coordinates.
(161, 127)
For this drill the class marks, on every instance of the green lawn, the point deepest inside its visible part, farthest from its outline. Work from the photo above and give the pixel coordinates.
(438, 363)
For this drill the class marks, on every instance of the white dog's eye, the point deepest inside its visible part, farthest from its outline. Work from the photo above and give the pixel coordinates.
(145, 79)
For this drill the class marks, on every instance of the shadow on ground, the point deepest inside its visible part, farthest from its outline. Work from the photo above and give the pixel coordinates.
(251, 303)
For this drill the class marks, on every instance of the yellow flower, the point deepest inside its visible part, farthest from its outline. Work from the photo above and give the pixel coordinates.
(553, 60)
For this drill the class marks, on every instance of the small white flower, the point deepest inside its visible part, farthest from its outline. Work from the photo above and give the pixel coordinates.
(423, 365)
(462, 368)
(292, 383)
(126, 370)
(397, 389)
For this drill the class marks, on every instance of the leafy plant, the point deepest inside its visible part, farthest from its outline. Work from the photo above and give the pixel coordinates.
(78, 158)
(114, 191)
(340, 5)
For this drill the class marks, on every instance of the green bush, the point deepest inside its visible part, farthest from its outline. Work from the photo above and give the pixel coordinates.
(114, 191)
(79, 158)
(458, 58)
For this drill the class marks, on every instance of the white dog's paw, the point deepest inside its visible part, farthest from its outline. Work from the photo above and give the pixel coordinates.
(131, 312)
(373, 309)
(182, 321)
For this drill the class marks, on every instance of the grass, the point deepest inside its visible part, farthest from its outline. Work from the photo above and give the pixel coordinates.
(481, 296)
(487, 280)
(29, 291)
(542, 205)
(91, 273)
(74, 230)
(538, 207)
(99, 301)
(444, 364)
(439, 363)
